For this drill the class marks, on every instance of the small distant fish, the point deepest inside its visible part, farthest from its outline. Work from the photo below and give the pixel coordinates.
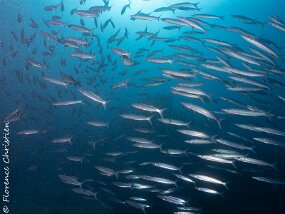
(269, 141)
(31, 132)
(256, 162)
(194, 133)
(148, 108)
(137, 205)
(158, 180)
(208, 179)
(125, 8)
(75, 159)
(106, 171)
(174, 122)
(19, 18)
(62, 140)
(71, 180)
(172, 199)
(98, 124)
(67, 103)
(85, 192)
(93, 97)
(207, 16)
(120, 84)
(202, 111)
(137, 117)
(82, 55)
(55, 81)
(14, 116)
(144, 16)
(51, 7)
(269, 180)
(36, 64)
(261, 129)
(210, 191)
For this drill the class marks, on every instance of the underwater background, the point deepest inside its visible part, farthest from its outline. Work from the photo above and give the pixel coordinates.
(132, 57)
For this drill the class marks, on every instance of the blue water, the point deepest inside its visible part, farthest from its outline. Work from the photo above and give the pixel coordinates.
(36, 162)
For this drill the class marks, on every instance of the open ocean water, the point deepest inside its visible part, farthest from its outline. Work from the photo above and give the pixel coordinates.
(142, 106)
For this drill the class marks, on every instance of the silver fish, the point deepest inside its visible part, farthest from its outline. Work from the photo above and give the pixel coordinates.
(93, 97)
(55, 81)
(148, 108)
(202, 111)
(210, 191)
(137, 117)
(67, 103)
(172, 199)
(208, 179)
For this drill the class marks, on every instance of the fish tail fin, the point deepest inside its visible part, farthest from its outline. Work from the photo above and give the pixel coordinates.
(150, 120)
(191, 153)
(210, 98)
(201, 99)
(160, 16)
(57, 5)
(81, 183)
(274, 167)
(69, 140)
(188, 124)
(143, 209)
(160, 147)
(234, 164)
(196, 4)
(160, 111)
(269, 115)
(180, 169)
(145, 30)
(186, 152)
(104, 104)
(176, 185)
(213, 138)
(219, 123)
(252, 149)
(227, 185)
(95, 195)
(198, 8)
(172, 64)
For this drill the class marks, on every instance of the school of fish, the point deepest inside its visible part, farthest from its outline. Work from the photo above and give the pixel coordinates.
(164, 123)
